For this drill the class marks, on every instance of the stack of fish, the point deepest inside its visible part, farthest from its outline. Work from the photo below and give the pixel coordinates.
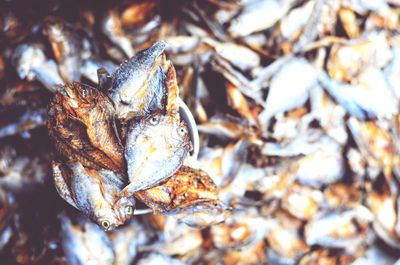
(99, 175)
(297, 108)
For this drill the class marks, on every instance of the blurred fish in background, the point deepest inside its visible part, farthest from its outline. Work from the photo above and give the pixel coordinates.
(297, 107)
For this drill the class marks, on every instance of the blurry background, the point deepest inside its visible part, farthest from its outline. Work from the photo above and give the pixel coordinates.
(297, 104)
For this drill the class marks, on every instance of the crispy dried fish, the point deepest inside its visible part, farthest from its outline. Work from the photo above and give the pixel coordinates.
(31, 63)
(82, 126)
(112, 28)
(67, 48)
(187, 186)
(85, 243)
(137, 86)
(340, 229)
(289, 88)
(94, 193)
(156, 147)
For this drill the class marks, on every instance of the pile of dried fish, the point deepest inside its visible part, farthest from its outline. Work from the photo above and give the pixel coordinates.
(296, 103)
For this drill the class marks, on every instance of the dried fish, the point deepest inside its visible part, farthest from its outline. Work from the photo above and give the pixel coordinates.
(374, 255)
(383, 206)
(224, 163)
(127, 240)
(138, 13)
(177, 239)
(286, 246)
(296, 20)
(186, 187)
(158, 157)
(325, 166)
(257, 16)
(344, 229)
(137, 86)
(181, 44)
(67, 48)
(90, 67)
(31, 63)
(240, 232)
(85, 243)
(360, 101)
(19, 171)
(226, 127)
(302, 202)
(301, 75)
(93, 193)
(25, 123)
(112, 28)
(240, 56)
(88, 132)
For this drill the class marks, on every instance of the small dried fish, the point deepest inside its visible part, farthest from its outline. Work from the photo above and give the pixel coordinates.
(293, 83)
(85, 243)
(19, 171)
(138, 13)
(67, 48)
(137, 86)
(201, 214)
(185, 188)
(226, 127)
(127, 240)
(164, 144)
(344, 229)
(176, 239)
(327, 257)
(112, 28)
(181, 44)
(93, 193)
(240, 232)
(257, 16)
(239, 56)
(359, 101)
(88, 132)
(31, 63)
(25, 123)
(90, 67)
(224, 163)
(323, 167)
(286, 246)
(296, 20)
(302, 202)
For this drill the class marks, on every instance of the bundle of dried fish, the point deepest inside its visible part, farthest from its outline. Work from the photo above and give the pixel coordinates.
(90, 171)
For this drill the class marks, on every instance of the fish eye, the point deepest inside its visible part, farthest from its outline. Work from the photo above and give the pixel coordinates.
(128, 210)
(182, 131)
(105, 224)
(154, 120)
